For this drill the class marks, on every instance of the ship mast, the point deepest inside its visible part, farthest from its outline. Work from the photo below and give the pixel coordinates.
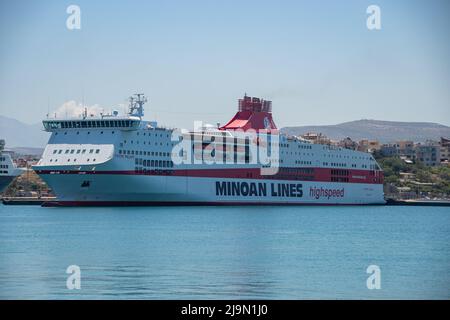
(136, 107)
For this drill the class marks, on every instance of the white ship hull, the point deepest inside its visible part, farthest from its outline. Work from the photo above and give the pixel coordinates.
(118, 189)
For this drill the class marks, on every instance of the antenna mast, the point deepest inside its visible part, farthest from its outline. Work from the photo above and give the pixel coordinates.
(136, 107)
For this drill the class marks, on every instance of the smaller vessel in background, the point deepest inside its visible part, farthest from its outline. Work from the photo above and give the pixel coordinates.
(8, 169)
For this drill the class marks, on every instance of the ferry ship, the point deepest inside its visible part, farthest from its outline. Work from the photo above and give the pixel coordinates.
(8, 169)
(124, 160)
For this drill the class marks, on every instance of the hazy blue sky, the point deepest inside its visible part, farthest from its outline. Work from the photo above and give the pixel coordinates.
(316, 60)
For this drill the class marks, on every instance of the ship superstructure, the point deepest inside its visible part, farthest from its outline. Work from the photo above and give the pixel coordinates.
(125, 160)
(8, 169)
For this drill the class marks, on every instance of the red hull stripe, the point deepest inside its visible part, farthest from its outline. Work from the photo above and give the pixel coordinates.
(318, 175)
(186, 203)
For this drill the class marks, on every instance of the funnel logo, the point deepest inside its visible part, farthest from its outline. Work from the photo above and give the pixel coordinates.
(266, 123)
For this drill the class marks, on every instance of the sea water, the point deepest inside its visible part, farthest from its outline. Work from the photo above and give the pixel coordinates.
(261, 252)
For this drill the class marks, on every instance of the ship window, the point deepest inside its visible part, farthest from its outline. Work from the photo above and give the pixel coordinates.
(84, 151)
(91, 151)
(97, 151)
(87, 160)
(67, 151)
(54, 151)
(60, 151)
(72, 151)
(78, 151)
(120, 151)
(152, 163)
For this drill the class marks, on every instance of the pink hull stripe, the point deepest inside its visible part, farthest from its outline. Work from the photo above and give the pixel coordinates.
(319, 175)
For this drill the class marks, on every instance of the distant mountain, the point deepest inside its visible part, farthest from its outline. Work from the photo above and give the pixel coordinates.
(19, 134)
(383, 131)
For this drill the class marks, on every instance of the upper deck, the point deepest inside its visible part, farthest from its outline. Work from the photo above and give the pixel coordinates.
(129, 123)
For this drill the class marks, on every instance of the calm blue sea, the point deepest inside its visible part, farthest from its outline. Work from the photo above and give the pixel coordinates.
(225, 252)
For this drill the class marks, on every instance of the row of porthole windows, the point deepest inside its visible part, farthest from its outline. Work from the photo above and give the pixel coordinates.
(338, 164)
(144, 142)
(74, 160)
(339, 172)
(154, 163)
(295, 153)
(4, 166)
(78, 151)
(156, 135)
(2, 158)
(335, 164)
(144, 153)
(78, 132)
(3, 171)
(302, 162)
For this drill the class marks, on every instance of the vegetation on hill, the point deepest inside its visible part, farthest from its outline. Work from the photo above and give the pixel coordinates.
(423, 180)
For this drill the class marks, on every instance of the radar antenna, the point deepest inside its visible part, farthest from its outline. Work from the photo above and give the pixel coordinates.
(136, 107)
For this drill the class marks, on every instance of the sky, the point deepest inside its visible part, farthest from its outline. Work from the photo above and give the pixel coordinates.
(316, 60)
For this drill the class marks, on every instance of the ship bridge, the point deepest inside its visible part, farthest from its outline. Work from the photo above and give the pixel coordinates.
(129, 122)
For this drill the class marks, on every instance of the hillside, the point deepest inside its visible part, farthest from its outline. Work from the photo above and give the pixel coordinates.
(19, 134)
(384, 131)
